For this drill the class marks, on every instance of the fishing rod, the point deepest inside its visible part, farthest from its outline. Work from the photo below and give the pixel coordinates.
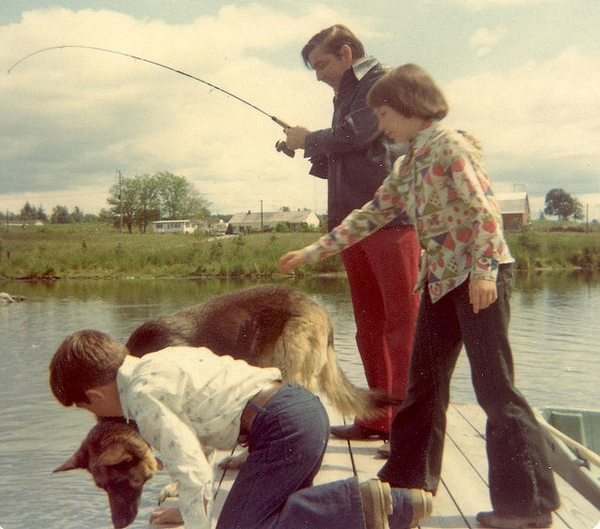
(280, 146)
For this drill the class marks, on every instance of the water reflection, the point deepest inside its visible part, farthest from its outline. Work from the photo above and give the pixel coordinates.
(554, 333)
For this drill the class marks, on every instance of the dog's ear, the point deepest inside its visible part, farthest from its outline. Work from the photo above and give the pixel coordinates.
(79, 459)
(113, 455)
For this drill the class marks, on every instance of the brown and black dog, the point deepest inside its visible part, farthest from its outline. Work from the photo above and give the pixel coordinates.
(268, 326)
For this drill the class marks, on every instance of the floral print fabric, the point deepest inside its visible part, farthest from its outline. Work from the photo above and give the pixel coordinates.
(445, 189)
(188, 402)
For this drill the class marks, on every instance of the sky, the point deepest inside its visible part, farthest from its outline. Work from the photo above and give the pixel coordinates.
(521, 75)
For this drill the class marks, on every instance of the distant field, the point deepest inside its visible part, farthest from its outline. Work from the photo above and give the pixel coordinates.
(98, 251)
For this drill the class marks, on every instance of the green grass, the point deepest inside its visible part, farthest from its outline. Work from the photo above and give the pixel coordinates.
(98, 251)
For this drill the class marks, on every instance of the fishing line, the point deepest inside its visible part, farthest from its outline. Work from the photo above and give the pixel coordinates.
(280, 145)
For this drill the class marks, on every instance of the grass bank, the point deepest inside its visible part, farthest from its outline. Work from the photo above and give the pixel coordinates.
(97, 251)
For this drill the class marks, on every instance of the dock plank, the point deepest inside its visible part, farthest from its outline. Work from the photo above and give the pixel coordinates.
(575, 511)
(463, 489)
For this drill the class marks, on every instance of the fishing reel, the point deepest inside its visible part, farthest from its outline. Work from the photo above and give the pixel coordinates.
(281, 146)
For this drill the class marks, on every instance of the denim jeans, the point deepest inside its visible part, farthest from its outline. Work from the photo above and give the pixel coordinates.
(274, 486)
(520, 476)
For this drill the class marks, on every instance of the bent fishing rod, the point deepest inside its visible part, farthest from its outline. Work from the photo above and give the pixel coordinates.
(280, 145)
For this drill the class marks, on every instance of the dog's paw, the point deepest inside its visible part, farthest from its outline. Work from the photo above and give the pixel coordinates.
(234, 462)
(169, 491)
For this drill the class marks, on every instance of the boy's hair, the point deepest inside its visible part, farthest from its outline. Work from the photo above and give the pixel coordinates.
(411, 91)
(331, 40)
(84, 360)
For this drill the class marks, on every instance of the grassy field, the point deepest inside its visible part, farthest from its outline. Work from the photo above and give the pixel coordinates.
(98, 251)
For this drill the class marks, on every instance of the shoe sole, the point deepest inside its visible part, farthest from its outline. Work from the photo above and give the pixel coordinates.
(380, 494)
(422, 501)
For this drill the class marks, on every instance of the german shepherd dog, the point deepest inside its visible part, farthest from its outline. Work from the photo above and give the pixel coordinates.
(268, 326)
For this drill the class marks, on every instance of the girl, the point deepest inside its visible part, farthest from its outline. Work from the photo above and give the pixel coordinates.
(444, 187)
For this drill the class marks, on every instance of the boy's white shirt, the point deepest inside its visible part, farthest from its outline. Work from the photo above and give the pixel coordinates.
(187, 402)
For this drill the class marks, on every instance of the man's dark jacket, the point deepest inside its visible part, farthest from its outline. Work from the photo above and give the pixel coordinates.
(353, 155)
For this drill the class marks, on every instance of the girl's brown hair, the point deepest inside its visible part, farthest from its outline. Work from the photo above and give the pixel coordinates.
(411, 91)
(84, 360)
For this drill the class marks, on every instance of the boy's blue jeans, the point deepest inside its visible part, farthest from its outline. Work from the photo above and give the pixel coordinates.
(273, 488)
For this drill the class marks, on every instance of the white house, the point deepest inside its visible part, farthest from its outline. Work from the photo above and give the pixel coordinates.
(174, 226)
(268, 220)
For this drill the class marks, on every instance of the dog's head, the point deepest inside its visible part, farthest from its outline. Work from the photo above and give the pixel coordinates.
(120, 462)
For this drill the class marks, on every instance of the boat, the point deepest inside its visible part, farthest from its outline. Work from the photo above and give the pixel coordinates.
(573, 436)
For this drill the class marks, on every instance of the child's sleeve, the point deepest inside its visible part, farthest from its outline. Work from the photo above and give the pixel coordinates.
(387, 204)
(472, 184)
(180, 451)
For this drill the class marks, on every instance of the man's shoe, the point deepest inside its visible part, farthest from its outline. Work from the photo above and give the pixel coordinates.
(509, 521)
(376, 499)
(356, 432)
(422, 501)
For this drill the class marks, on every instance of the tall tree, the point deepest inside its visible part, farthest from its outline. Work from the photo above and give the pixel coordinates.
(563, 205)
(60, 215)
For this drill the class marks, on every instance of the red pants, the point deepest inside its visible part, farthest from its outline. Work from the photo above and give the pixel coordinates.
(382, 271)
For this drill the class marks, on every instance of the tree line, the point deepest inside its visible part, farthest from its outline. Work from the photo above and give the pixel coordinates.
(137, 201)
(134, 203)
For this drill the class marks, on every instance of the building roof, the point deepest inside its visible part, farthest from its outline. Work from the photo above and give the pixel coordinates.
(514, 202)
(271, 217)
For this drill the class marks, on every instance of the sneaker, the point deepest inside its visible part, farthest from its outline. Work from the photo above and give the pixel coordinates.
(422, 505)
(509, 521)
(376, 499)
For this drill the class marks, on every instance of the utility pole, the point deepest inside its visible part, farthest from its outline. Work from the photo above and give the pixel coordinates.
(261, 216)
(120, 202)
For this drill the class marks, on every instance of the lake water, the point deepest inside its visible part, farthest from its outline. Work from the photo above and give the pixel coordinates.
(554, 330)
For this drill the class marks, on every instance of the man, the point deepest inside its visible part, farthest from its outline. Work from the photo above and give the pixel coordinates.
(355, 158)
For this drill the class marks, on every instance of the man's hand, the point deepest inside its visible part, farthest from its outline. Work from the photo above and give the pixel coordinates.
(296, 137)
(482, 293)
(166, 516)
(291, 260)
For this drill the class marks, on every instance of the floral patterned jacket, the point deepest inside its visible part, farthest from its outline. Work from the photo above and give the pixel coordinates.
(444, 188)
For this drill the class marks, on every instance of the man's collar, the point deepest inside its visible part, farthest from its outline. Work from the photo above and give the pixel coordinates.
(362, 66)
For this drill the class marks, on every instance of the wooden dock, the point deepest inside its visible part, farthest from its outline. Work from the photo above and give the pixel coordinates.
(464, 489)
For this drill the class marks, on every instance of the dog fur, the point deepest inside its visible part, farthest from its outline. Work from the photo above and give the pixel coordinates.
(267, 326)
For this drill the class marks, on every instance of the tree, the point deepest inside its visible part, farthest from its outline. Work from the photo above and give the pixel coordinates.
(60, 215)
(144, 198)
(563, 205)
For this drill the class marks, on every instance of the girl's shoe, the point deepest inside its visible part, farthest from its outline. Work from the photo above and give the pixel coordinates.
(509, 521)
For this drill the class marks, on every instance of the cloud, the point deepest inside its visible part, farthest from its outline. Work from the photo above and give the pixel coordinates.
(485, 4)
(537, 122)
(72, 117)
(484, 39)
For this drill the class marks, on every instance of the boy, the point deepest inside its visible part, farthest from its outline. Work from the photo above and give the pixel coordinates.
(187, 402)
(465, 279)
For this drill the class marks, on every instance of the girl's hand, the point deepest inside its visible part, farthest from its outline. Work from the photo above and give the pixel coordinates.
(482, 293)
(291, 260)
(166, 516)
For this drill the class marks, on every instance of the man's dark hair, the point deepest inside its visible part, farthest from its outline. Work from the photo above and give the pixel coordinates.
(331, 41)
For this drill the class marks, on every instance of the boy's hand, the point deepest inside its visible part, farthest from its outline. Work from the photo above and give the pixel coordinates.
(291, 260)
(482, 293)
(166, 516)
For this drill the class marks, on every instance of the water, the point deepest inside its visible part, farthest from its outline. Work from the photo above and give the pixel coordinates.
(554, 331)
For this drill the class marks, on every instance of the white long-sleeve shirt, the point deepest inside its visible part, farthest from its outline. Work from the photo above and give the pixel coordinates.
(188, 402)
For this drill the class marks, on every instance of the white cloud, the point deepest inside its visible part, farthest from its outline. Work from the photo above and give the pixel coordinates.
(484, 39)
(536, 113)
(73, 116)
(484, 4)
